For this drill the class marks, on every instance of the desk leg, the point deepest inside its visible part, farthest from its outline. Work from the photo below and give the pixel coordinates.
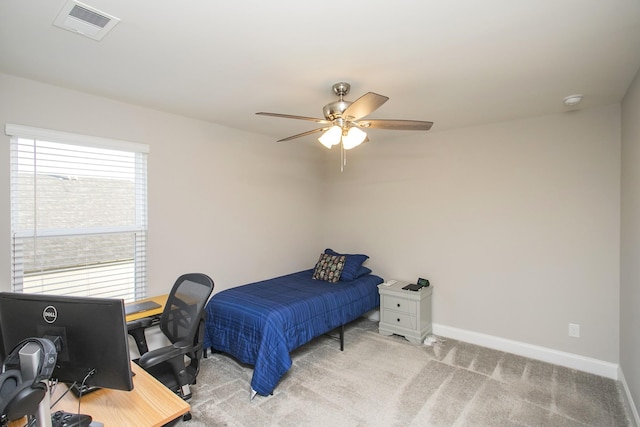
(141, 341)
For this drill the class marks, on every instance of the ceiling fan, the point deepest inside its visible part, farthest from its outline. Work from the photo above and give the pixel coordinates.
(344, 120)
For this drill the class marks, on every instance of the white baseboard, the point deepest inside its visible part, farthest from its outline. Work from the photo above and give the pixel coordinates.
(628, 398)
(569, 360)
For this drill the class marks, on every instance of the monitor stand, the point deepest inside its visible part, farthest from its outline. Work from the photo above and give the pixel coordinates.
(29, 364)
(79, 391)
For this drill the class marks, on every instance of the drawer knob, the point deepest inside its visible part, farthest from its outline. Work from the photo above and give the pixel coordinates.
(398, 320)
(398, 304)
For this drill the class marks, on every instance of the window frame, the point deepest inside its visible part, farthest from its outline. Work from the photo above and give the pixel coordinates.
(139, 229)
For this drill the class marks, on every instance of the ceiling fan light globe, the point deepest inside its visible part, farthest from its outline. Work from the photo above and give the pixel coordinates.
(331, 137)
(353, 138)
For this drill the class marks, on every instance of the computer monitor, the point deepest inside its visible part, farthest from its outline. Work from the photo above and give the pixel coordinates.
(92, 331)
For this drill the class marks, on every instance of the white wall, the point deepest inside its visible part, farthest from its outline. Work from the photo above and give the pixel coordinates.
(630, 236)
(227, 203)
(516, 224)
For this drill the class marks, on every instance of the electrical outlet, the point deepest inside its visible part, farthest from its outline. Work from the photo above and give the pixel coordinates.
(574, 330)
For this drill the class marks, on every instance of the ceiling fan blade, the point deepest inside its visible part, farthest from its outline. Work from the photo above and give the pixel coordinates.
(396, 124)
(288, 116)
(309, 132)
(363, 106)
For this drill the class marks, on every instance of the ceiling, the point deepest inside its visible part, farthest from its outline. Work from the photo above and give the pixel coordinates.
(456, 63)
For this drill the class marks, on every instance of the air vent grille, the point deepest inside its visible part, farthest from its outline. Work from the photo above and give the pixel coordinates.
(89, 17)
(85, 20)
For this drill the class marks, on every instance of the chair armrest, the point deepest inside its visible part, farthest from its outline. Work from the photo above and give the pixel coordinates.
(183, 345)
(164, 354)
(143, 323)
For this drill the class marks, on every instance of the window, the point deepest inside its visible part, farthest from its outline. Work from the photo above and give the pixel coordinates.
(78, 214)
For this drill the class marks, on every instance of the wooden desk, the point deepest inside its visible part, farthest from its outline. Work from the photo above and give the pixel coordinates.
(160, 299)
(150, 403)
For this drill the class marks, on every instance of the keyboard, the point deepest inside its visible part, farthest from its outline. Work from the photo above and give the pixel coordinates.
(139, 307)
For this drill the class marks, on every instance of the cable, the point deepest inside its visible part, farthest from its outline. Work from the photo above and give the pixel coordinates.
(63, 395)
(93, 371)
(53, 384)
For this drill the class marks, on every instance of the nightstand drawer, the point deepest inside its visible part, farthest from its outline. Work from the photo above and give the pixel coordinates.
(402, 320)
(399, 304)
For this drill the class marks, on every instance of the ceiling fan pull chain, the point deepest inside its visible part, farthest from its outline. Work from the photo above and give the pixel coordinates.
(345, 155)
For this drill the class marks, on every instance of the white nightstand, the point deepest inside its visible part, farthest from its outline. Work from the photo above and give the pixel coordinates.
(406, 313)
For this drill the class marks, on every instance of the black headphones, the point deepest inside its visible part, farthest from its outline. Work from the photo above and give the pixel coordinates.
(18, 398)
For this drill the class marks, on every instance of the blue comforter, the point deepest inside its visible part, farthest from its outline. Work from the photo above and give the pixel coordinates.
(260, 323)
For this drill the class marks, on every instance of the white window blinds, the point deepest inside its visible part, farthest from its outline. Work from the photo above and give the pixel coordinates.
(78, 214)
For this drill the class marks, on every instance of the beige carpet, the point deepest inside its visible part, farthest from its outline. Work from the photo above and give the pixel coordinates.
(387, 381)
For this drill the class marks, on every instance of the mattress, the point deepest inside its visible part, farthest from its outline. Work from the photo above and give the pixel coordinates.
(261, 323)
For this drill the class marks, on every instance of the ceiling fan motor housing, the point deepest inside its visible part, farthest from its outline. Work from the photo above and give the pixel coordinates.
(334, 110)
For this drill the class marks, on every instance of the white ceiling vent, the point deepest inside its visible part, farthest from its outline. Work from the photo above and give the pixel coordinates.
(86, 20)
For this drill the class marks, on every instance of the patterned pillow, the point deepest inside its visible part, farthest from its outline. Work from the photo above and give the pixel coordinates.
(352, 264)
(329, 268)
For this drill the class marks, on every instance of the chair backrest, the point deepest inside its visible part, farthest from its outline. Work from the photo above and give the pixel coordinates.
(184, 310)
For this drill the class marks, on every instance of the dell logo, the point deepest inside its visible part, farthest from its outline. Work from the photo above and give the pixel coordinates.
(50, 314)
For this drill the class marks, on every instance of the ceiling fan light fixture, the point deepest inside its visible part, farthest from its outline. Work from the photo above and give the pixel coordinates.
(353, 138)
(331, 137)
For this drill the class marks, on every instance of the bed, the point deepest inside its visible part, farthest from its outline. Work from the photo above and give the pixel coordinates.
(261, 323)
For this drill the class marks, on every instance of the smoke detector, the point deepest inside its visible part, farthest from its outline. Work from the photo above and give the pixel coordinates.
(85, 20)
(572, 100)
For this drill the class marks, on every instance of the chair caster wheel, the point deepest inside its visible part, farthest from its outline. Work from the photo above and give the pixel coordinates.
(186, 417)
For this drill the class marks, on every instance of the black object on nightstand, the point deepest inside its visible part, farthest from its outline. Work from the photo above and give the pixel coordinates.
(412, 287)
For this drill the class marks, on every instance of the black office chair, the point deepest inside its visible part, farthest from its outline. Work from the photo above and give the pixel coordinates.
(182, 321)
